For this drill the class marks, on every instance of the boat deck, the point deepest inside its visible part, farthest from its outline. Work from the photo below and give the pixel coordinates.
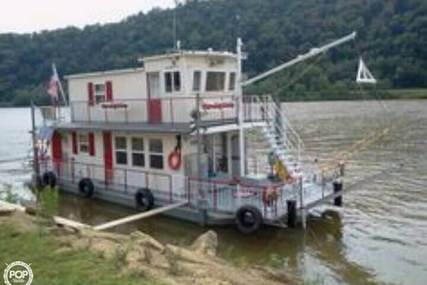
(228, 198)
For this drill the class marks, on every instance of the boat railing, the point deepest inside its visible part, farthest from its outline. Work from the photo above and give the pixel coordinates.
(283, 130)
(177, 109)
(166, 187)
(220, 195)
(51, 115)
(277, 122)
(228, 195)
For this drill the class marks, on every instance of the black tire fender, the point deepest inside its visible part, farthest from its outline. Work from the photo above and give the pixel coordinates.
(49, 179)
(144, 199)
(86, 187)
(249, 219)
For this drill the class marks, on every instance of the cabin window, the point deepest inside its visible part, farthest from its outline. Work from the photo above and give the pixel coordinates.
(138, 157)
(197, 80)
(156, 153)
(84, 143)
(215, 81)
(232, 81)
(168, 82)
(99, 93)
(172, 82)
(121, 150)
(176, 81)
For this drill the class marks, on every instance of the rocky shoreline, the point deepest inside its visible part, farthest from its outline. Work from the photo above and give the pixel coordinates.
(141, 254)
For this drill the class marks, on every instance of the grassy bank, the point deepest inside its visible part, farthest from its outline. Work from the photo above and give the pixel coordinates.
(80, 256)
(352, 95)
(54, 267)
(409, 93)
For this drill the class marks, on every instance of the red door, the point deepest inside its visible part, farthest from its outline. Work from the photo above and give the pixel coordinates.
(154, 103)
(154, 111)
(108, 157)
(56, 152)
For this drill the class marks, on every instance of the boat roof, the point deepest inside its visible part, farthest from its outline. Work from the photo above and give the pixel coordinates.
(176, 128)
(190, 53)
(104, 73)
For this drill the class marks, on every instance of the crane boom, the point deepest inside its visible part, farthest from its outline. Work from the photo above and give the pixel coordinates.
(312, 53)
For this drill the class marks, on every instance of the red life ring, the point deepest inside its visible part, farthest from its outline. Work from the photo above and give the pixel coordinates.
(175, 160)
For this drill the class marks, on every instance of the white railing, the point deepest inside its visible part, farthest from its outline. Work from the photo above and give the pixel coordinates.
(171, 110)
(221, 195)
(53, 114)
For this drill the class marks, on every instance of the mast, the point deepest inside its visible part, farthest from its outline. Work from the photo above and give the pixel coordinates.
(239, 94)
(36, 167)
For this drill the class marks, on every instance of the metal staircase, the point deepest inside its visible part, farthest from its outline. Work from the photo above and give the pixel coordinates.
(281, 137)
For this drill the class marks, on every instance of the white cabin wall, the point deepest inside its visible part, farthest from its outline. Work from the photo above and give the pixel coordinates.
(93, 167)
(128, 87)
(176, 106)
(85, 164)
(203, 64)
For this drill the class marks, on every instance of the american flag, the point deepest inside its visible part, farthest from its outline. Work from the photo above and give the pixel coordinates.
(53, 84)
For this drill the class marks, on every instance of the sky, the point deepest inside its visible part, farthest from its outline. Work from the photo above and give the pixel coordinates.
(23, 16)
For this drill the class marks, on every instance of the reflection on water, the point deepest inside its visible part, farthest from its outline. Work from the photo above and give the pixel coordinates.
(379, 237)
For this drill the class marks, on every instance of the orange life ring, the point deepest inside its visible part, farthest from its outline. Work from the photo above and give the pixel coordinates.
(175, 160)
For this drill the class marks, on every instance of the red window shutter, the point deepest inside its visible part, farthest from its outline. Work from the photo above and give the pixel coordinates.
(90, 94)
(91, 144)
(74, 142)
(109, 91)
(108, 157)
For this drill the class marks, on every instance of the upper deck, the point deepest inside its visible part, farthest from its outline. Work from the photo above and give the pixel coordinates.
(163, 91)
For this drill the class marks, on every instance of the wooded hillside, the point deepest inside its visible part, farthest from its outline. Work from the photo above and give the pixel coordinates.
(392, 39)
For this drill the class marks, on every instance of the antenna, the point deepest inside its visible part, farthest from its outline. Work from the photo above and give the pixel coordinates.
(174, 26)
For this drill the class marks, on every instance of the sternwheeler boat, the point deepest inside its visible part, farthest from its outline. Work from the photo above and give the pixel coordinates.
(179, 131)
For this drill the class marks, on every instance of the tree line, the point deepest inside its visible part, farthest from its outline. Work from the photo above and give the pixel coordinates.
(392, 36)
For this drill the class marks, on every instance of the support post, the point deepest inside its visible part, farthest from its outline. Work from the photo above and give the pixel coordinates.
(202, 202)
(36, 166)
(303, 213)
(338, 187)
(292, 213)
(240, 114)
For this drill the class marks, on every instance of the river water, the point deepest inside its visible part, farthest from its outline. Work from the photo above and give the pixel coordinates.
(378, 237)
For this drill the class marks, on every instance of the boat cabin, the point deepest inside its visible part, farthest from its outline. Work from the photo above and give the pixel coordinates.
(134, 128)
(179, 129)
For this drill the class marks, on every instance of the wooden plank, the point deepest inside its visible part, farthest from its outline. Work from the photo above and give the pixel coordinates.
(70, 223)
(7, 206)
(58, 220)
(140, 216)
